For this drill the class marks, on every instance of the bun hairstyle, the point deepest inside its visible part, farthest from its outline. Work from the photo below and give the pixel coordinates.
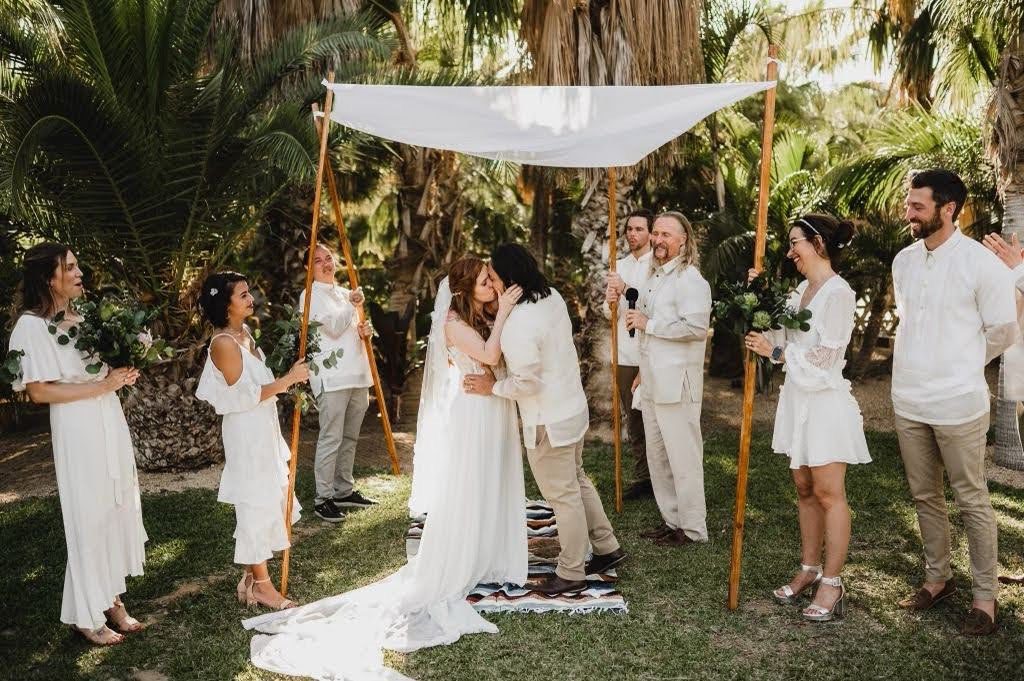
(215, 296)
(827, 233)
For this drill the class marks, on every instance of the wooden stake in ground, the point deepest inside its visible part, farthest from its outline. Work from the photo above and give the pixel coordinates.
(303, 331)
(750, 360)
(353, 281)
(613, 241)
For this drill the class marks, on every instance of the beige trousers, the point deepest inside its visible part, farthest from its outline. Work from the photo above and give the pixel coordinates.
(675, 454)
(579, 513)
(960, 450)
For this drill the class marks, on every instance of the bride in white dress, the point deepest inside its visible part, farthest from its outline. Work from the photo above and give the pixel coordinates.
(818, 423)
(476, 528)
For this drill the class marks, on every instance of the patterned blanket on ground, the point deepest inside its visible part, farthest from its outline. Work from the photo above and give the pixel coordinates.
(601, 594)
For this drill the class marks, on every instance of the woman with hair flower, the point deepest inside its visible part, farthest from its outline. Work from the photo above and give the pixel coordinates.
(240, 386)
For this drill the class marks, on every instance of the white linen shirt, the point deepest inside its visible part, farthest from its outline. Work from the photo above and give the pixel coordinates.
(957, 312)
(331, 307)
(634, 273)
(544, 372)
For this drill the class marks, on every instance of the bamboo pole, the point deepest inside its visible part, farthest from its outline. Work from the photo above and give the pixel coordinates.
(749, 360)
(613, 241)
(353, 281)
(303, 335)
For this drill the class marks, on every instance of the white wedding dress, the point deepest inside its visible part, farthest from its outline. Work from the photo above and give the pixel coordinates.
(475, 533)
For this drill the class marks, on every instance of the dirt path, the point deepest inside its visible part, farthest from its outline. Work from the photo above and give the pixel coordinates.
(26, 462)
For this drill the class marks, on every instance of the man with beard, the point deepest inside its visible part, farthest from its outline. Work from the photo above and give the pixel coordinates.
(956, 308)
(674, 316)
(631, 272)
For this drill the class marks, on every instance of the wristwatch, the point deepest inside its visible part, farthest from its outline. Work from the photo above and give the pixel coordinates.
(777, 353)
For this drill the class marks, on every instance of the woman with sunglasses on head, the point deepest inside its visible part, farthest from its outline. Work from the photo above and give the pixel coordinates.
(818, 423)
(93, 456)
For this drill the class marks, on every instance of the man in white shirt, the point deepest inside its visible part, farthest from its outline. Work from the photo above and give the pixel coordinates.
(674, 317)
(544, 380)
(631, 272)
(956, 308)
(341, 391)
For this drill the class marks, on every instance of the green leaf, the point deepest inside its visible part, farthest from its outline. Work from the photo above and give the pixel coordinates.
(94, 368)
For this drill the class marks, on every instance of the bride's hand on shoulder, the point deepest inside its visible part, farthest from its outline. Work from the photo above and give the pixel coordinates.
(508, 299)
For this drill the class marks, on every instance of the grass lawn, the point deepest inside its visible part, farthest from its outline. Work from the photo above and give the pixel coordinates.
(677, 627)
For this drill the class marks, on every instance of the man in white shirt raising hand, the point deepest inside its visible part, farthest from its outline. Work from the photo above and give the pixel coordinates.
(955, 302)
(631, 272)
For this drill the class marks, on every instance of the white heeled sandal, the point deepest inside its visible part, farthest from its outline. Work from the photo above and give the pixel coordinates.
(785, 595)
(817, 613)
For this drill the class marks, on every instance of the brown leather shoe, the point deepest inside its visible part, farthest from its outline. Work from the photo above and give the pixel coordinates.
(599, 564)
(1011, 579)
(922, 599)
(674, 538)
(556, 586)
(657, 532)
(978, 623)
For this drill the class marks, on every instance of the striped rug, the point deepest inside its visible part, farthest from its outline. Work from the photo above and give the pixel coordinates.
(601, 594)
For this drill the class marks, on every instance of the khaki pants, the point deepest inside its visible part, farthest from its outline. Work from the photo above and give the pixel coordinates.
(634, 423)
(960, 450)
(341, 417)
(579, 514)
(675, 453)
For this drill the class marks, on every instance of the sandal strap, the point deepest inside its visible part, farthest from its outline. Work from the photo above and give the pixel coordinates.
(786, 590)
(813, 609)
(832, 581)
(811, 568)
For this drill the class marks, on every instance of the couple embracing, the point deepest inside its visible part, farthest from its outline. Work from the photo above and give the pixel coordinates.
(500, 337)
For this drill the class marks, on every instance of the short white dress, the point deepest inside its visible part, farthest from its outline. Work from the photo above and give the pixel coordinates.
(818, 421)
(255, 477)
(94, 460)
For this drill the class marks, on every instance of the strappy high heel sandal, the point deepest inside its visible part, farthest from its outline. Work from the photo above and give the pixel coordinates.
(816, 613)
(785, 595)
(284, 604)
(244, 590)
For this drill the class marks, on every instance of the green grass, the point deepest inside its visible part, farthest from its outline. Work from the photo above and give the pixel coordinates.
(677, 627)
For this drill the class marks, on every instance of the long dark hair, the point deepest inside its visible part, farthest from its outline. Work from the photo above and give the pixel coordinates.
(462, 281)
(215, 297)
(40, 263)
(516, 265)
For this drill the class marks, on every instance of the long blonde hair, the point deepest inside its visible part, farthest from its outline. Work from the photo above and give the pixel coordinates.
(689, 253)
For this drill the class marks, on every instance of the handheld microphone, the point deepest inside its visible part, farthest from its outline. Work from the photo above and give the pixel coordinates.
(631, 297)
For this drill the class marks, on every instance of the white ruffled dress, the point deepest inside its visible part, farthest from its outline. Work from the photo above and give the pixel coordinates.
(255, 477)
(818, 421)
(94, 461)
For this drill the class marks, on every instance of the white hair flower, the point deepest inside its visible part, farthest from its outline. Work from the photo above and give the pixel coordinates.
(213, 291)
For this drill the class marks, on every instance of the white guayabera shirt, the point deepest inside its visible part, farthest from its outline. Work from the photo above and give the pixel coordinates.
(340, 332)
(634, 273)
(957, 312)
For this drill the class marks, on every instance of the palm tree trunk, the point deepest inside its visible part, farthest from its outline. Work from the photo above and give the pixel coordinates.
(876, 316)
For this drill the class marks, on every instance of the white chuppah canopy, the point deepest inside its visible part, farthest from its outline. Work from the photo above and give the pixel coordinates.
(566, 127)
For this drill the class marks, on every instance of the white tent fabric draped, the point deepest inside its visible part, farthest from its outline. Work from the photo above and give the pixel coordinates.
(566, 127)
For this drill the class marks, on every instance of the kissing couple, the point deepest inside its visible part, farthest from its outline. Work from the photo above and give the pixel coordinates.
(500, 336)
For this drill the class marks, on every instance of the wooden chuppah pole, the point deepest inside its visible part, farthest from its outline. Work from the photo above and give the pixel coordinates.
(613, 241)
(749, 359)
(303, 336)
(353, 281)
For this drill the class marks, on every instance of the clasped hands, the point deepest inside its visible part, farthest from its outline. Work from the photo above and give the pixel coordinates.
(613, 291)
(357, 298)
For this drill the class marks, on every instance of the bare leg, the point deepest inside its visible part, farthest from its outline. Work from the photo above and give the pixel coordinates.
(812, 527)
(829, 483)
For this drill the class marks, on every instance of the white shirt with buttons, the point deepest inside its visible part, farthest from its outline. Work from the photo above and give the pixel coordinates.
(957, 312)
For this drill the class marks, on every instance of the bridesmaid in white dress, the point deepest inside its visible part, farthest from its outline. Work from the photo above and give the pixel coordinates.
(475, 530)
(243, 390)
(93, 454)
(818, 423)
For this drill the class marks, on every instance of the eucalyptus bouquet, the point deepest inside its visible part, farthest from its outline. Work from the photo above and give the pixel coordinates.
(113, 331)
(10, 367)
(284, 348)
(760, 305)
